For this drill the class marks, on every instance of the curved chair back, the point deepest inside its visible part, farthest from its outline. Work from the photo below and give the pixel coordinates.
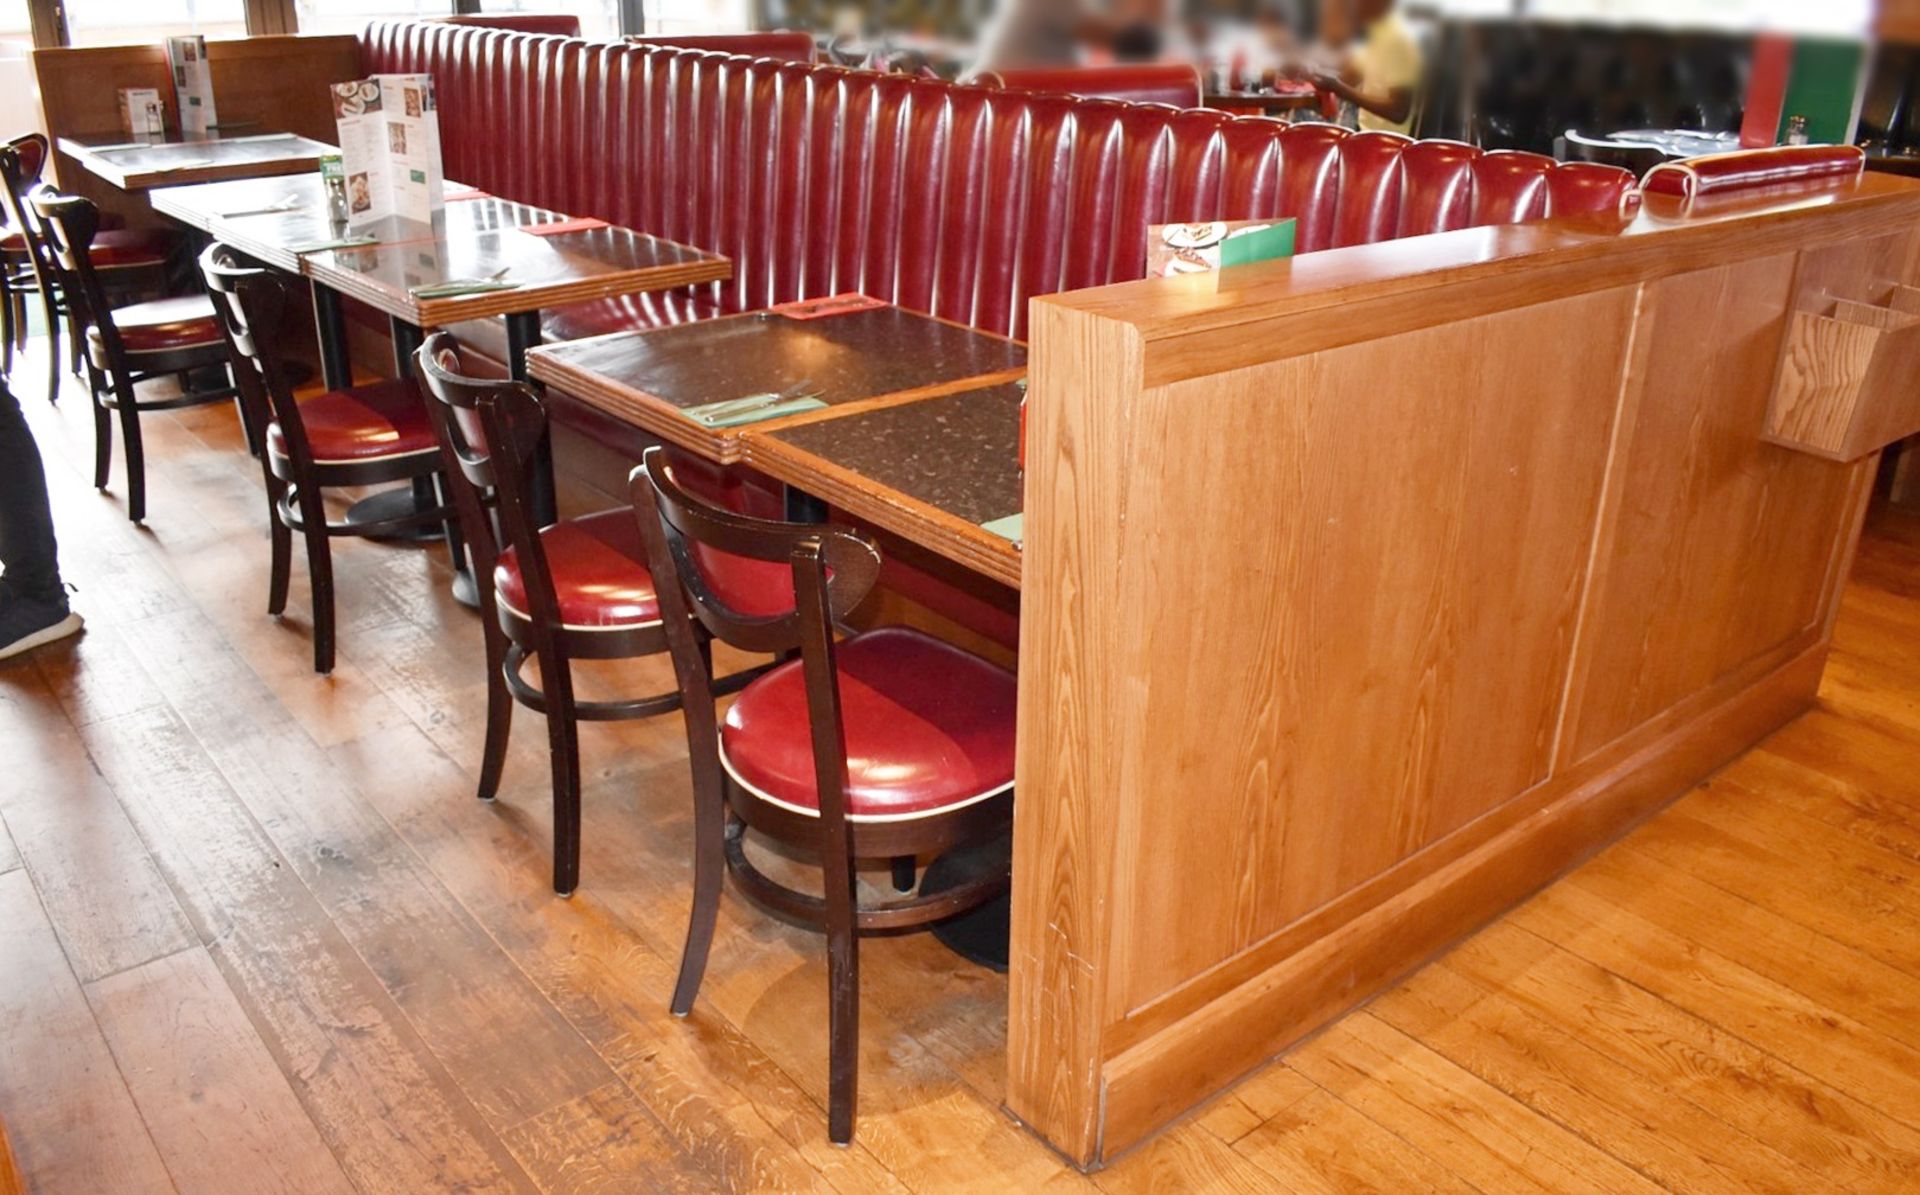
(490, 431)
(68, 224)
(256, 308)
(21, 162)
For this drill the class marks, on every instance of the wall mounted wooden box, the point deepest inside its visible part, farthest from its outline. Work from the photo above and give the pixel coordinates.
(1849, 382)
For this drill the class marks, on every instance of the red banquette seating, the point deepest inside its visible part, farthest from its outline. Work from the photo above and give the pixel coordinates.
(958, 200)
(1148, 83)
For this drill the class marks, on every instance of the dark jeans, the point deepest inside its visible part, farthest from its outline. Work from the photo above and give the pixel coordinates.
(26, 521)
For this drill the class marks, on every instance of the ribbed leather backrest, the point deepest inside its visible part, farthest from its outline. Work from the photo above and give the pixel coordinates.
(962, 201)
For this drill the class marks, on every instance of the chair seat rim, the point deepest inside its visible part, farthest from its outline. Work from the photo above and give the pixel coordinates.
(429, 450)
(506, 607)
(919, 815)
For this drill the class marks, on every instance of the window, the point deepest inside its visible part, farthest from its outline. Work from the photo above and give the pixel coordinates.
(599, 19)
(116, 22)
(351, 16)
(696, 16)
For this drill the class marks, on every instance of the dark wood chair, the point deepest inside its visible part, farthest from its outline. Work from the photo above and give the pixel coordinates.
(359, 436)
(127, 345)
(129, 262)
(577, 590)
(887, 744)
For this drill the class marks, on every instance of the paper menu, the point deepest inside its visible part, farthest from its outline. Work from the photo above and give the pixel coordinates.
(192, 84)
(389, 132)
(141, 112)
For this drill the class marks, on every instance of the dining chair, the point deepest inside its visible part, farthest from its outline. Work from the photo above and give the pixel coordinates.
(885, 744)
(129, 261)
(127, 345)
(358, 436)
(578, 589)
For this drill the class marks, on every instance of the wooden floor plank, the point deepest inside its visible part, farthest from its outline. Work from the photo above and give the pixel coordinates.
(1320, 1144)
(1184, 1158)
(106, 899)
(73, 1124)
(217, 1106)
(1468, 1125)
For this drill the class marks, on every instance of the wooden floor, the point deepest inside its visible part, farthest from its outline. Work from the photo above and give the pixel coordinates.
(256, 935)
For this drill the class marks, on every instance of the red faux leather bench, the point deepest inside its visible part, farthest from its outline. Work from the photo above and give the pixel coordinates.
(962, 201)
(787, 47)
(1149, 83)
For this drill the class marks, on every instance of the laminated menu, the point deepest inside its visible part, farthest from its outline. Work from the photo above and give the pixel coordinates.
(389, 134)
(1206, 245)
(192, 84)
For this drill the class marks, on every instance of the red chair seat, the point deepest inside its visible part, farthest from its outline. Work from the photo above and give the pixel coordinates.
(165, 325)
(363, 423)
(599, 574)
(929, 728)
(121, 248)
(627, 313)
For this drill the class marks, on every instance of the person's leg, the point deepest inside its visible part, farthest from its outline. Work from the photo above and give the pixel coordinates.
(33, 603)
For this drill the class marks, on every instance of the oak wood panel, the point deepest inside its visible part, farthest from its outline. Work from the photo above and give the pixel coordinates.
(206, 1086)
(1845, 382)
(73, 1125)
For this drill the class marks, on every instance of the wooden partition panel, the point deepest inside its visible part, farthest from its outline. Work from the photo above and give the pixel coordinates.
(1365, 593)
(278, 84)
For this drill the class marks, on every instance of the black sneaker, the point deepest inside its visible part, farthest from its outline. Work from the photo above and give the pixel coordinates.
(27, 623)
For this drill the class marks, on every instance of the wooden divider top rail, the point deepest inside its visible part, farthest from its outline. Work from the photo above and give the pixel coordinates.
(1364, 593)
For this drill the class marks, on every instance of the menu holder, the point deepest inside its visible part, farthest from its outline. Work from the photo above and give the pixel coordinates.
(830, 305)
(192, 84)
(389, 132)
(1204, 246)
(1845, 385)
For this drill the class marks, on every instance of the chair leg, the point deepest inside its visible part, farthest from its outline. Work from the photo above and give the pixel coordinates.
(8, 303)
(53, 347)
(563, 741)
(320, 572)
(493, 755)
(136, 453)
(281, 539)
(843, 1000)
(102, 439)
(710, 829)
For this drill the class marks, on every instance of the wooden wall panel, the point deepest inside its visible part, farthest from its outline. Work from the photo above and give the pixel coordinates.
(1715, 519)
(1342, 685)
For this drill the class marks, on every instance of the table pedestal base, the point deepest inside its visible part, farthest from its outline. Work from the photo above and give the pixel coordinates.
(978, 935)
(395, 504)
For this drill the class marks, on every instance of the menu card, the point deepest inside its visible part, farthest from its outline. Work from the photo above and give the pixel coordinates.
(141, 113)
(1206, 245)
(390, 147)
(192, 83)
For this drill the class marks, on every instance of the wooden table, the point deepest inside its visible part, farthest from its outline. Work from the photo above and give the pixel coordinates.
(934, 471)
(137, 164)
(858, 361)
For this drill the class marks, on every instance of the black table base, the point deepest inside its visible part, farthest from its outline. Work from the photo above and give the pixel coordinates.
(979, 935)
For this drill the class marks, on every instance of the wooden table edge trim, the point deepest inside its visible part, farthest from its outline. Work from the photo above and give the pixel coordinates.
(967, 544)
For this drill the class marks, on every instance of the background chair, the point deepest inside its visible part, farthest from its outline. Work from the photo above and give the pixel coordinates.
(577, 590)
(127, 345)
(888, 744)
(362, 435)
(128, 261)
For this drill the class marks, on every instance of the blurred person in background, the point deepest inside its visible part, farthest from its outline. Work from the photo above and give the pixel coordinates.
(1026, 34)
(1380, 74)
(33, 601)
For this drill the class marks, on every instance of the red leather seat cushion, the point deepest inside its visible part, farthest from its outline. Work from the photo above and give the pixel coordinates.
(363, 423)
(929, 727)
(165, 324)
(626, 313)
(113, 249)
(599, 573)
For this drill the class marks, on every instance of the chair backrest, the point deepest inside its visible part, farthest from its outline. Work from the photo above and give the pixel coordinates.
(1141, 83)
(550, 24)
(489, 431)
(21, 162)
(256, 307)
(68, 223)
(833, 568)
